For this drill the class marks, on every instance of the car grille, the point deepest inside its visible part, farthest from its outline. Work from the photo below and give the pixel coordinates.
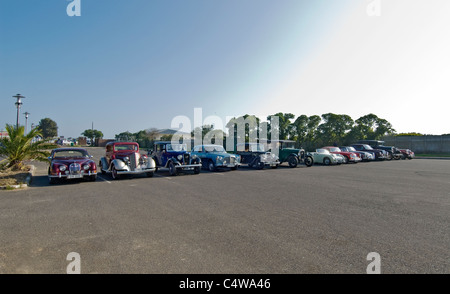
(75, 168)
(133, 162)
(186, 158)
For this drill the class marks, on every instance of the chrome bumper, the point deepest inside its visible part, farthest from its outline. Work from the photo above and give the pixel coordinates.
(136, 171)
(188, 166)
(73, 176)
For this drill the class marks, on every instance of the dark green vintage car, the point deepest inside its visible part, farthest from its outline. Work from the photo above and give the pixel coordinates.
(288, 153)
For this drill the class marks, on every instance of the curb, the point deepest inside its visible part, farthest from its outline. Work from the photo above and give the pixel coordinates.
(27, 182)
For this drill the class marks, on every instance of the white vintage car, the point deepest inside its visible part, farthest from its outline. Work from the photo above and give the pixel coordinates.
(323, 156)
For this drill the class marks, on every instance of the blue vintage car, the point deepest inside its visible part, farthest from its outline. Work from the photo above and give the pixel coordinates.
(175, 157)
(215, 156)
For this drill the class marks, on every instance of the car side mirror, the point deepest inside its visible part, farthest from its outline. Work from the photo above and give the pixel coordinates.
(49, 158)
(91, 156)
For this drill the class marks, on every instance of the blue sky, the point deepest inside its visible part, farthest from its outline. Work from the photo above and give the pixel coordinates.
(132, 65)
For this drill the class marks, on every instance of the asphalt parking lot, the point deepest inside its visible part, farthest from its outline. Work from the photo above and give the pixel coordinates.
(323, 219)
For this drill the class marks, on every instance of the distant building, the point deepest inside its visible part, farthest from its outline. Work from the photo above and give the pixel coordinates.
(4, 135)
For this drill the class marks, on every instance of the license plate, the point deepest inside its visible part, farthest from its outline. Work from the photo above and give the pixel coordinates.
(74, 176)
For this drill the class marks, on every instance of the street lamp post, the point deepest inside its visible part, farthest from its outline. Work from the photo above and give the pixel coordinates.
(26, 120)
(18, 104)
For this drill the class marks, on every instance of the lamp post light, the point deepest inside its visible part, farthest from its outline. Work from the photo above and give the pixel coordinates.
(18, 104)
(26, 120)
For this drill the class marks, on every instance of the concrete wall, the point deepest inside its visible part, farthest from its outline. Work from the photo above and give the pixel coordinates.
(420, 144)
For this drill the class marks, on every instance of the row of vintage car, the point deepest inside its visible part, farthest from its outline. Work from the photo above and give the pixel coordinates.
(125, 158)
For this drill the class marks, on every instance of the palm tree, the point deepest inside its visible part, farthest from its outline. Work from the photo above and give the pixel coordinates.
(20, 147)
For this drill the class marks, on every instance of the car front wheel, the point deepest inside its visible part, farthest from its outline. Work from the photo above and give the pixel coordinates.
(293, 162)
(326, 161)
(114, 173)
(172, 169)
(309, 161)
(211, 166)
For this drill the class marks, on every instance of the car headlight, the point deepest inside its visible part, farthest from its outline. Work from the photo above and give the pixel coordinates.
(126, 159)
(194, 156)
(219, 158)
(180, 157)
(62, 168)
(86, 166)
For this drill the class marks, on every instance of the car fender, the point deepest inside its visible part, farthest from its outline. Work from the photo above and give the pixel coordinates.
(151, 162)
(175, 162)
(104, 163)
(118, 164)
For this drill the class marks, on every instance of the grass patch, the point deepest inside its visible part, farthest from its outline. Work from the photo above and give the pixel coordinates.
(434, 155)
(10, 177)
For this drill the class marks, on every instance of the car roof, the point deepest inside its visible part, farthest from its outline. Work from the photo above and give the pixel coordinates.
(167, 142)
(121, 143)
(70, 149)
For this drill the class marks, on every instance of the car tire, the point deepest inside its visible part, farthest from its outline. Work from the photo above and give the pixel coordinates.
(114, 174)
(211, 166)
(292, 161)
(345, 159)
(92, 178)
(259, 165)
(197, 170)
(309, 161)
(172, 169)
(326, 161)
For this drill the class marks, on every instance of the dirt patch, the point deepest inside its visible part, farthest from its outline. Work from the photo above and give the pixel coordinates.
(10, 177)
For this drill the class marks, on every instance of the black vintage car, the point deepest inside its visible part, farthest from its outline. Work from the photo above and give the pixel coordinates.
(379, 154)
(255, 155)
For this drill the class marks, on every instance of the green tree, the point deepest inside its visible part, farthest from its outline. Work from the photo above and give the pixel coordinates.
(93, 135)
(242, 129)
(412, 134)
(305, 130)
(370, 127)
(285, 127)
(20, 147)
(125, 136)
(334, 128)
(48, 127)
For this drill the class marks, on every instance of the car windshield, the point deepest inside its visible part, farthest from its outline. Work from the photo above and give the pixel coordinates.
(350, 149)
(335, 149)
(288, 145)
(176, 147)
(367, 147)
(70, 154)
(322, 151)
(214, 148)
(125, 147)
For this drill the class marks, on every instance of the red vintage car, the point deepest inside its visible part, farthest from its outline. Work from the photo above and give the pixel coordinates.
(71, 163)
(124, 158)
(348, 156)
(407, 153)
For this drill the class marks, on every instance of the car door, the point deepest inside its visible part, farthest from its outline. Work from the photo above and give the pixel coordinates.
(159, 152)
